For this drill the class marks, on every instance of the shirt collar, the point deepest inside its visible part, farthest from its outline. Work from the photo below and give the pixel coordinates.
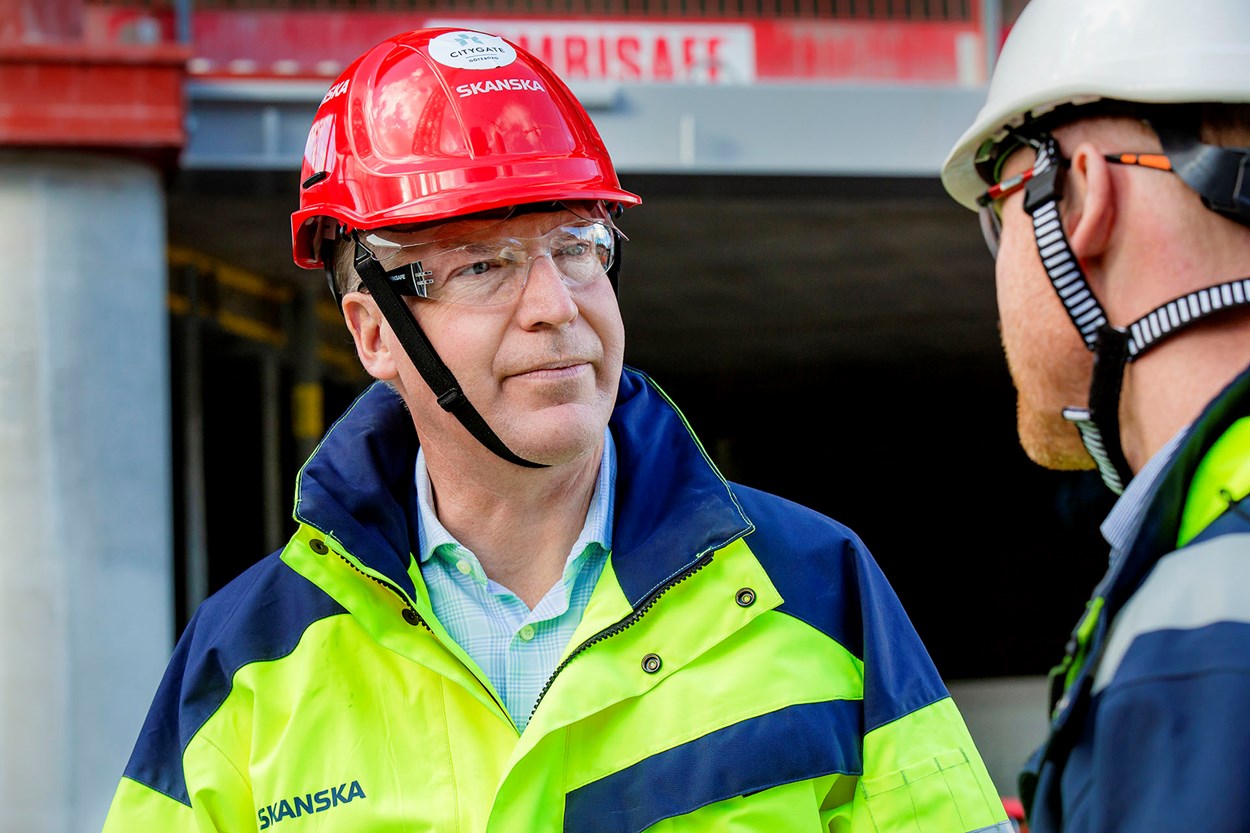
(597, 528)
(1126, 516)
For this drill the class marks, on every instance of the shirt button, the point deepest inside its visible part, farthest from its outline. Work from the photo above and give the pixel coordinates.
(464, 566)
(526, 633)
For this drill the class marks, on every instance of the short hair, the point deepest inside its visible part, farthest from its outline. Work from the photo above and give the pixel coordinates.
(342, 264)
(1226, 125)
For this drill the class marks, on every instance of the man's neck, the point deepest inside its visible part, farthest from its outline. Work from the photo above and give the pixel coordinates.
(1170, 249)
(520, 523)
(1169, 386)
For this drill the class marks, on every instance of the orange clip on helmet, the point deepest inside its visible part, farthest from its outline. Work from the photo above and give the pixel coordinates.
(440, 123)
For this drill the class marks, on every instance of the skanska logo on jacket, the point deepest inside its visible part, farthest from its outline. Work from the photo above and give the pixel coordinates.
(302, 805)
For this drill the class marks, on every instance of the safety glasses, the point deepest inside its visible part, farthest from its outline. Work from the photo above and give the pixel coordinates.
(483, 269)
(989, 204)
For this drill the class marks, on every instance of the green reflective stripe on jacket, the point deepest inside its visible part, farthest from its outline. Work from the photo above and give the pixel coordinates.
(1223, 476)
(926, 758)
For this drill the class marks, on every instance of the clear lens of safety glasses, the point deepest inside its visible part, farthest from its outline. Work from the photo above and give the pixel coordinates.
(990, 203)
(493, 270)
(991, 227)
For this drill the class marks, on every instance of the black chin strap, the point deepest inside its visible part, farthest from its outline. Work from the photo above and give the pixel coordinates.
(428, 364)
(1099, 424)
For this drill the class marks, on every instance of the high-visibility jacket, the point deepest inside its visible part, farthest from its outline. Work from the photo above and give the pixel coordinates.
(1151, 722)
(742, 665)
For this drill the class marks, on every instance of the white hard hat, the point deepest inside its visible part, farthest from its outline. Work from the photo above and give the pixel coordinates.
(1078, 51)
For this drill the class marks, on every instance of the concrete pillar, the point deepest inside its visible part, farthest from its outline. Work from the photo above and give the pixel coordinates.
(86, 587)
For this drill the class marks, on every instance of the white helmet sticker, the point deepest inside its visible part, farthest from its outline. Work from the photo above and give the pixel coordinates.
(471, 50)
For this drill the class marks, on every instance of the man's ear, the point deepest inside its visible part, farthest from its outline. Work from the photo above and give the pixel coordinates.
(364, 321)
(1090, 203)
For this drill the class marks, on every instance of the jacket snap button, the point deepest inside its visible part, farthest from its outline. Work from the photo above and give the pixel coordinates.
(745, 597)
(651, 663)
(411, 617)
(318, 546)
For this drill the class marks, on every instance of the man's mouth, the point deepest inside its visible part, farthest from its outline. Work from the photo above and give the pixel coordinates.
(555, 370)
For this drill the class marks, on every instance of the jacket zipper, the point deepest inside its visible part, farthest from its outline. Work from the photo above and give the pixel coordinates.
(648, 601)
(410, 614)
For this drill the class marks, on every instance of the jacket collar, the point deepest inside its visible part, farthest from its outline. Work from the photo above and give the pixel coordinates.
(672, 505)
(1162, 521)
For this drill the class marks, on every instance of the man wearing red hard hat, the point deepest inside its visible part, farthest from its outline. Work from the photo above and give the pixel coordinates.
(521, 597)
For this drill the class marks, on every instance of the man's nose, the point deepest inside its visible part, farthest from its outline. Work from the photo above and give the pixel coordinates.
(546, 297)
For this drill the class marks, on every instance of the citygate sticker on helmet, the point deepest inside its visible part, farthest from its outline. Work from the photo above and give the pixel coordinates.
(472, 50)
(441, 123)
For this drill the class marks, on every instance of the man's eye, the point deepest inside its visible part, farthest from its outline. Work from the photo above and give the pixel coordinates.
(474, 269)
(573, 248)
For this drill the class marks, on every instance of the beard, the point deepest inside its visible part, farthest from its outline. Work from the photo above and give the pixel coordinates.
(1051, 441)
(1050, 370)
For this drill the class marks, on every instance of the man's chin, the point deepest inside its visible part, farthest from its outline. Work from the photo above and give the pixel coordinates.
(1053, 444)
(561, 435)
(1061, 460)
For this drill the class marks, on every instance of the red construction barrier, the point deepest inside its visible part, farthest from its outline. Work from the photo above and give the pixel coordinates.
(295, 43)
(92, 95)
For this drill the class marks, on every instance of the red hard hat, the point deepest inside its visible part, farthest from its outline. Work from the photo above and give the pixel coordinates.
(439, 123)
